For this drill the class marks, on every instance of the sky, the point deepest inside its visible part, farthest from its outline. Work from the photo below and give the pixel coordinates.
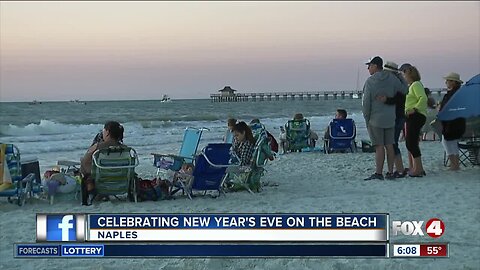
(142, 50)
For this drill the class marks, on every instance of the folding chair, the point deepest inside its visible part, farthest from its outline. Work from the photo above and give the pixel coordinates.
(469, 152)
(209, 171)
(113, 170)
(469, 144)
(297, 134)
(11, 167)
(342, 133)
(248, 177)
(188, 151)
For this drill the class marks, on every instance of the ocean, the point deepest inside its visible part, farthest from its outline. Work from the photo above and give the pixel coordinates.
(53, 131)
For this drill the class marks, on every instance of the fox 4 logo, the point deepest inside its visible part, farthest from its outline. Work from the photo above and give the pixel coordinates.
(434, 227)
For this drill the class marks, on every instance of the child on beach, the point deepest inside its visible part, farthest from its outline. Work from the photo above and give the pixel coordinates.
(228, 137)
(283, 138)
(431, 115)
(184, 174)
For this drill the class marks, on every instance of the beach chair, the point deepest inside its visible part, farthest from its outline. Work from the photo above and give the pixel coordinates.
(188, 150)
(248, 177)
(469, 151)
(342, 133)
(13, 185)
(113, 170)
(297, 134)
(209, 171)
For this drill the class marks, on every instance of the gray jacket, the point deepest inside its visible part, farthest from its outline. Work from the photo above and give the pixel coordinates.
(377, 113)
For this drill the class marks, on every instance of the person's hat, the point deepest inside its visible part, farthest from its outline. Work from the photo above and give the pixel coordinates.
(376, 61)
(391, 66)
(298, 116)
(404, 66)
(255, 121)
(452, 76)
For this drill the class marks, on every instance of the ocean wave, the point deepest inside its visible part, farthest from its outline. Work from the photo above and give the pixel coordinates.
(46, 127)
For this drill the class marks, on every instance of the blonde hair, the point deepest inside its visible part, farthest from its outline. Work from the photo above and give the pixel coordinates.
(412, 73)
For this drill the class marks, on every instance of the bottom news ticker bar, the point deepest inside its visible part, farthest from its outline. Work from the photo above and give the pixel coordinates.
(200, 250)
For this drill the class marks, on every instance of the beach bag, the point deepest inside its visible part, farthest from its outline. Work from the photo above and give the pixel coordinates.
(273, 142)
(367, 147)
(151, 190)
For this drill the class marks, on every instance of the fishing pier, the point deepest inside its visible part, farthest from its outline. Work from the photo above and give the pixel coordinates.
(227, 94)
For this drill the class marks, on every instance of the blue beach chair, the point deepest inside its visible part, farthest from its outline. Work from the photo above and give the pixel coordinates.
(341, 136)
(20, 186)
(297, 134)
(188, 151)
(209, 171)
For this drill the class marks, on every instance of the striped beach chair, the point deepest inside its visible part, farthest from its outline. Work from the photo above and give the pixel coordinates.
(12, 184)
(297, 133)
(113, 170)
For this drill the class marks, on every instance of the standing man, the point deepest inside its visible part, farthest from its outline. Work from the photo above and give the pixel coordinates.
(399, 101)
(380, 117)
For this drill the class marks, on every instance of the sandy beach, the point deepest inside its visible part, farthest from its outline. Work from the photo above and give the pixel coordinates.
(307, 183)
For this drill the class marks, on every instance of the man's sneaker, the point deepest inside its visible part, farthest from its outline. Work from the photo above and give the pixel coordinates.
(399, 175)
(390, 176)
(374, 176)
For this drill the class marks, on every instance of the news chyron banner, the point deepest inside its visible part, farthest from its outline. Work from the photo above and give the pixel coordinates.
(209, 235)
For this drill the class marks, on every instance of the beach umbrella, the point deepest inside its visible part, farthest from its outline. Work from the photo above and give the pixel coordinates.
(465, 103)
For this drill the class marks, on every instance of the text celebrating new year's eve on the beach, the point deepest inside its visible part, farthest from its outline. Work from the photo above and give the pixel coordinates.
(237, 227)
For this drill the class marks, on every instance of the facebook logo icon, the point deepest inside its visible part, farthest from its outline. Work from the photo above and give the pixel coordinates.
(60, 228)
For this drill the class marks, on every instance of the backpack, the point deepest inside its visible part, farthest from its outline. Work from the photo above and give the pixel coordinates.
(151, 190)
(273, 142)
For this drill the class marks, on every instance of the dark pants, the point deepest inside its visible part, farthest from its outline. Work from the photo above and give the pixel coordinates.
(415, 123)
(399, 124)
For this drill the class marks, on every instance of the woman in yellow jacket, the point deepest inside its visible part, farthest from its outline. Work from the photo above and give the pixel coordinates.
(416, 115)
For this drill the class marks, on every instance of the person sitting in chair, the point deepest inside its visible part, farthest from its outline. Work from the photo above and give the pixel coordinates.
(340, 114)
(112, 135)
(185, 174)
(228, 137)
(312, 136)
(244, 143)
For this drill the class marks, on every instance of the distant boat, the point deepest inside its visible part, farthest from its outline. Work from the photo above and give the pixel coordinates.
(34, 102)
(76, 101)
(165, 98)
(355, 96)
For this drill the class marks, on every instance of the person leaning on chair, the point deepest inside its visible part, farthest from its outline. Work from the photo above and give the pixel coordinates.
(452, 130)
(112, 135)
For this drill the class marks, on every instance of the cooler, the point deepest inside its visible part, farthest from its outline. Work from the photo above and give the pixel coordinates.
(31, 165)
